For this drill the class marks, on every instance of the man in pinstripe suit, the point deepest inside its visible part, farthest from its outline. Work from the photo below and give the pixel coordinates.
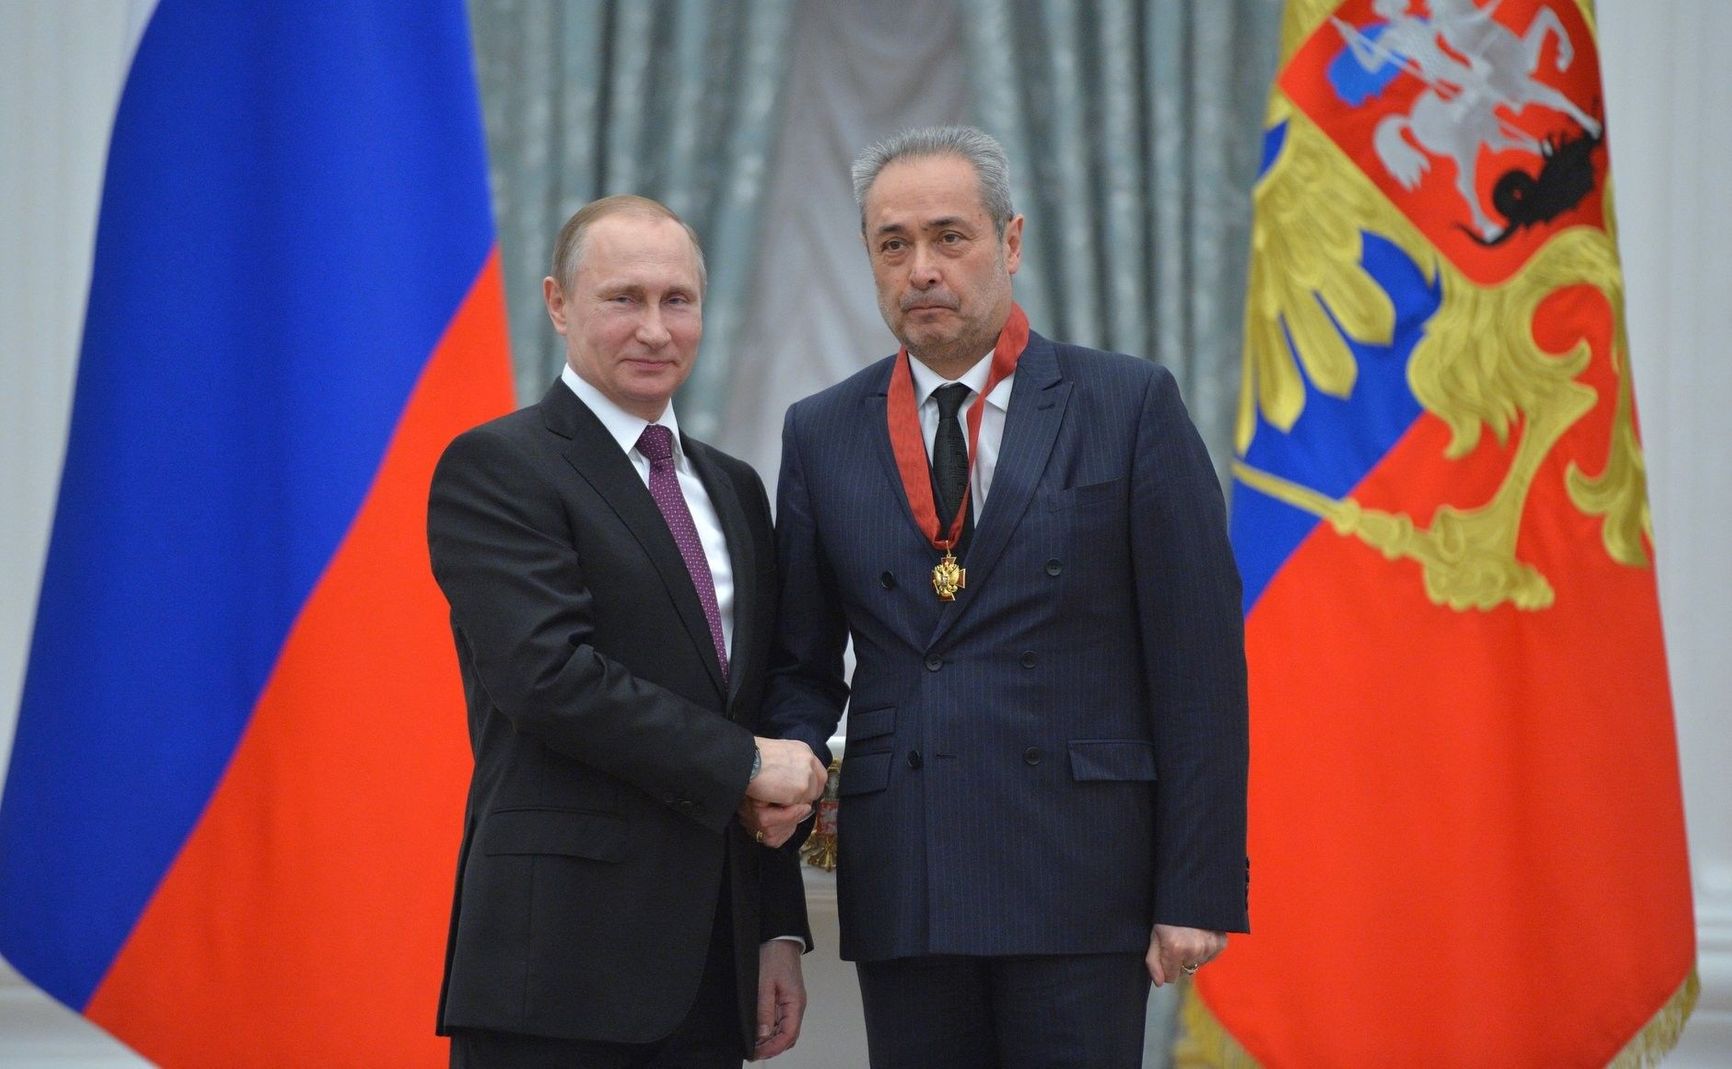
(1043, 791)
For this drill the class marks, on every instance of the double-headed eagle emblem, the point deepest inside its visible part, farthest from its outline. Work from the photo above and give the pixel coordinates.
(1463, 135)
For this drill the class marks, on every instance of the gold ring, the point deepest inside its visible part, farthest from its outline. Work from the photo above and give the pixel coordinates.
(1190, 967)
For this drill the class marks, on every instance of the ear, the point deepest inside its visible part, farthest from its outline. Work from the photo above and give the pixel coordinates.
(554, 298)
(1013, 244)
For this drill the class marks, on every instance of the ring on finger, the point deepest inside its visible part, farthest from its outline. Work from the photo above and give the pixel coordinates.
(1191, 967)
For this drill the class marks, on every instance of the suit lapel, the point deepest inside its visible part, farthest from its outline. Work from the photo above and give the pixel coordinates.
(877, 404)
(596, 456)
(1037, 403)
(742, 557)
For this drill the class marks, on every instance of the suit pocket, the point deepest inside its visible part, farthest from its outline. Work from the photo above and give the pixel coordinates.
(1112, 759)
(866, 757)
(569, 832)
(870, 724)
(864, 773)
(1091, 495)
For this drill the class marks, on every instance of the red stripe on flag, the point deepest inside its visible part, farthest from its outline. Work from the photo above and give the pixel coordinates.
(1467, 826)
(304, 922)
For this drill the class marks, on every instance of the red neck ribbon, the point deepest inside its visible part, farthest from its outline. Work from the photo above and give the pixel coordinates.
(909, 444)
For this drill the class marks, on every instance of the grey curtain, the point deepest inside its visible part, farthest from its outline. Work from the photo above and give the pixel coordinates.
(674, 99)
(1134, 132)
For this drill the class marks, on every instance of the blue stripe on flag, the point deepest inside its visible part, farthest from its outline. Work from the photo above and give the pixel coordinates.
(1335, 442)
(289, 220)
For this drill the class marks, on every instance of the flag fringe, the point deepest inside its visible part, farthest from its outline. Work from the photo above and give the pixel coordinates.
(1203, 1043)
(1662, 1031)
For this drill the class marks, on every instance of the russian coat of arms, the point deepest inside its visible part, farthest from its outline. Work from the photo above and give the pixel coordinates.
(1461, 142)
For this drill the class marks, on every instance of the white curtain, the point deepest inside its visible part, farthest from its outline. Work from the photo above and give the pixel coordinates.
(1669, 125)
(811, 318)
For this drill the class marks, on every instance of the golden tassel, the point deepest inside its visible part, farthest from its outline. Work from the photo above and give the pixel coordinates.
(820, 848)
(1202, 1043)
(1662, 1031)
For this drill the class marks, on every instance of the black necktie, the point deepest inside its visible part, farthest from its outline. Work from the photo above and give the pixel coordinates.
(949, 454)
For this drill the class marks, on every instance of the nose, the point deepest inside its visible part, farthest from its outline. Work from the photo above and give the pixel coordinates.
(651, 330)
(923, 271)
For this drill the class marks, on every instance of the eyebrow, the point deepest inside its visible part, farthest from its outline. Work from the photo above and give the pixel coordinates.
(939, 223)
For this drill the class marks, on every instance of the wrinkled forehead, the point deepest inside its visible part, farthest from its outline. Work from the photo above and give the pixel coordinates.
(923, 192)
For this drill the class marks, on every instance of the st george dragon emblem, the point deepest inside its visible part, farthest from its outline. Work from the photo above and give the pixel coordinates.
(1432, 233)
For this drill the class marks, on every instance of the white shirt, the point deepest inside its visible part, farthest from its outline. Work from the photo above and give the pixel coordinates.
(626, 429)
(985, 453)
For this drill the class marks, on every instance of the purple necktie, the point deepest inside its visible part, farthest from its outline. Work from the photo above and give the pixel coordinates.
(656, 443)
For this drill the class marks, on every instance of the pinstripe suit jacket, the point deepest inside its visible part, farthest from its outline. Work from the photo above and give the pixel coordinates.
(1056, 759)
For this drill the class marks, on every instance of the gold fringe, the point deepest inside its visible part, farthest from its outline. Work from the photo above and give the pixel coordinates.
(820, 849)
(1662, 1031)
(1202, 1042)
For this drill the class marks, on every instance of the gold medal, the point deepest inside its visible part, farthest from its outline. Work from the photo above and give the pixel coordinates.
(913, 463)
(948, 577)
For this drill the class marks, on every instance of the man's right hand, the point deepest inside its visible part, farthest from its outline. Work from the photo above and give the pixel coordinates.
(790, 773)
(771, 824)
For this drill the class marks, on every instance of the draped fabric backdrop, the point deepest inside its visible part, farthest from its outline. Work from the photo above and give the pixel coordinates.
(1131, 127)
(1133, 135)
(570, 117)
(1127, 127)
(674, 99)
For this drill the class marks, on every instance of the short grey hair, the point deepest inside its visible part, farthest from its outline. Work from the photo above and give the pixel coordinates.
(568, 247)
(977, 147)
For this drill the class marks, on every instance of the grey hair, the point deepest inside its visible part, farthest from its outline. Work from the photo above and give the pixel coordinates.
(568, 247)
(977, 147)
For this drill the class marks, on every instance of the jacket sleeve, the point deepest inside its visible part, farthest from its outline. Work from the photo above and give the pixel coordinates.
(807, 689)
(782, 894)
(505, 557)
(1193, 649)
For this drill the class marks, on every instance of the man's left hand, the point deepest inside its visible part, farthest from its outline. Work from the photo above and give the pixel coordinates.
(1176, 951)
(781, 997)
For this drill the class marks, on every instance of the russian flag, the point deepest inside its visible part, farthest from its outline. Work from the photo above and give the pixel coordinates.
(230, 823)
(1465, 810)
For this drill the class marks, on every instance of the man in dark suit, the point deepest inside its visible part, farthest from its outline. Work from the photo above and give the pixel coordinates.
(612, 589)
(1043, 789)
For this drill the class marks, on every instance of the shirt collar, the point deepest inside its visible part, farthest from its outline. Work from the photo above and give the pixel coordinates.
(622, 425)
(926, 380)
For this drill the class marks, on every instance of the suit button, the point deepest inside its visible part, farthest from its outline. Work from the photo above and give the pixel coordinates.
(914, 759)
(1054, 566)
(1032, 755)
(1027, 658)
(934, 662)
(887, 581)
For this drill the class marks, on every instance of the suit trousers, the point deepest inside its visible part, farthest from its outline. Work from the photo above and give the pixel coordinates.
(1005, 1012)
(707, 1038)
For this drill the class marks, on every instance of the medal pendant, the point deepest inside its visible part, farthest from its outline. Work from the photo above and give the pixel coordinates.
(948, 577)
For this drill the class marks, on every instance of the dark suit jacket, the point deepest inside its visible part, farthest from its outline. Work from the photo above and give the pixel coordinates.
(608, 760)
(1057, 759)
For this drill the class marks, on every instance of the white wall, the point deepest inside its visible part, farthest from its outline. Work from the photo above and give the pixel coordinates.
(61, 65)
(1669, 125)
(1670, 122)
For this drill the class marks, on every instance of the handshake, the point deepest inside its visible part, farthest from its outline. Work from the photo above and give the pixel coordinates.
(789, 780)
